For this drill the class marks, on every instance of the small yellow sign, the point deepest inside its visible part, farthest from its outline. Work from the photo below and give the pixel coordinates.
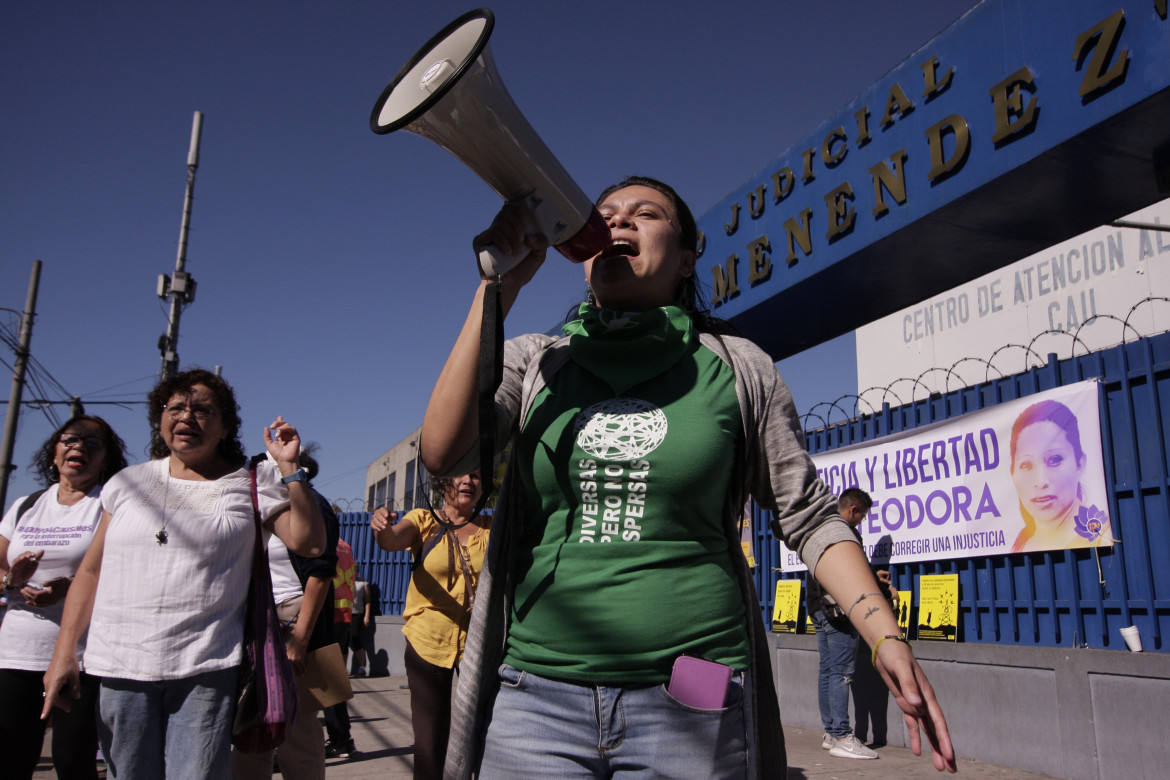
(786, 613)
(938, 607)
(748, 553)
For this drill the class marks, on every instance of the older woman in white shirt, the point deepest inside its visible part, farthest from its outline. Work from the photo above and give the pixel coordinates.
(43, 538)
(162, 587)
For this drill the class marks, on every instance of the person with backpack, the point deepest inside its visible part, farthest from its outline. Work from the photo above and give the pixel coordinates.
(42, 541)
(448, 545)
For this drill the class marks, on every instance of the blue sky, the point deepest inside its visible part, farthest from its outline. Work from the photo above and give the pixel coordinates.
(334, 265)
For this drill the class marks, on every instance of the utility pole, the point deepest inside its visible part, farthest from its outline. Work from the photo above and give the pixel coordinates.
(180, 288)
(10, 419)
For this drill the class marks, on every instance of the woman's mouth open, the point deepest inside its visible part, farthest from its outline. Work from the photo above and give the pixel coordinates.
(619, 248)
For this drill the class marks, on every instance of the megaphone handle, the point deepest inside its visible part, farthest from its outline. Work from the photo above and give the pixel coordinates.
(493, 262)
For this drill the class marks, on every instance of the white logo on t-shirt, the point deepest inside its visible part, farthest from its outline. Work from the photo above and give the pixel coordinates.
(620, 429)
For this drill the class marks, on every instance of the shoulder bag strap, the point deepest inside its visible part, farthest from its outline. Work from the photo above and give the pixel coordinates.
(27, 504)
(260, 571)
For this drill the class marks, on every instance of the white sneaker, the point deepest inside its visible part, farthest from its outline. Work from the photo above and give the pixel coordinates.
(827, 742)
(850, 747)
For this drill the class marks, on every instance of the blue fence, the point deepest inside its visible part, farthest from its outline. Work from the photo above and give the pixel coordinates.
(1062, 598)
(390, 572)
(1055, 599)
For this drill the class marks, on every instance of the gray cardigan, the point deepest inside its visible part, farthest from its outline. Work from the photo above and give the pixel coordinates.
(772, 466)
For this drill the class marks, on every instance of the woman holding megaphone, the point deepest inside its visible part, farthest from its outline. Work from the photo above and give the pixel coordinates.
(617, 628)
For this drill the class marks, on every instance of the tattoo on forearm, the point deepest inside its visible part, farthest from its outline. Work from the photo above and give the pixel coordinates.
(869, 612)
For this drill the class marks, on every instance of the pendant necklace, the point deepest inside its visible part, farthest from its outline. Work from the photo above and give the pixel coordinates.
(161, 537)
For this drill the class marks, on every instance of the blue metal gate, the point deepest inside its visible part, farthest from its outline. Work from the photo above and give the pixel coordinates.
(1062, 598)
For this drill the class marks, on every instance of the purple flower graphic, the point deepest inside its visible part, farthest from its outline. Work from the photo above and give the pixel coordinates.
(1090, 522)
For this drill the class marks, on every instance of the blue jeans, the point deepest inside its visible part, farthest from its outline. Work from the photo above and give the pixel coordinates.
(177, 729)
(542, 728)
(837, 647)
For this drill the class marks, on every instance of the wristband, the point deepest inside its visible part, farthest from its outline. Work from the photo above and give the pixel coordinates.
(297, 476)
(878, 644)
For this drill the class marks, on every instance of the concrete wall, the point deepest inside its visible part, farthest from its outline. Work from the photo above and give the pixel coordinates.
(385, 645)
(1070, 713)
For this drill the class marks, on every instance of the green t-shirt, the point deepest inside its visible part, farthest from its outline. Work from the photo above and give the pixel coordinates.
(625, 459)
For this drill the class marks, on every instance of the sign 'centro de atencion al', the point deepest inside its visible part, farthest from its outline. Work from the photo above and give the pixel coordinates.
(1021, 125)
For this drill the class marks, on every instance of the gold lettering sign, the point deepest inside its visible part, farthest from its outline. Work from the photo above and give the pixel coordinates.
(842, 215)
(934, 87)
(724, 285)
(836, 138)
(1011, 117)
(897, 105)
(1102, 39)
(1015, 107)
(759, 261)
(893, 182)
(756, 201)
(782, 182)
(733, 225)
(940, 164)
(862, 117)
(798, 233)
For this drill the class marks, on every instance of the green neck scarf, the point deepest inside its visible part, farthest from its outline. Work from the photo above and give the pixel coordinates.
(624, 349)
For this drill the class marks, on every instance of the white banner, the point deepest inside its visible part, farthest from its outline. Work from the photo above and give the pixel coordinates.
(993, 326)
(1023, 476)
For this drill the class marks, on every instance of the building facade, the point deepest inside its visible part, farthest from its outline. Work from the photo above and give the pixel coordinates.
(397, 478)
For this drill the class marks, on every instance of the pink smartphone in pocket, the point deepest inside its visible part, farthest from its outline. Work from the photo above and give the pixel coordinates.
(697, 682)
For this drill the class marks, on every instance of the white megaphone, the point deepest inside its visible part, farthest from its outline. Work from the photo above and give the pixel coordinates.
(451, 93)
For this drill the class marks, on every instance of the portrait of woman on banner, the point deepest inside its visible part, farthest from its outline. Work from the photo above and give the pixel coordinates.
(1048, 468)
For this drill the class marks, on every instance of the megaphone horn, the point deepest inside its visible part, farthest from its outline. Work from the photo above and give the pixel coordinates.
(451, 93)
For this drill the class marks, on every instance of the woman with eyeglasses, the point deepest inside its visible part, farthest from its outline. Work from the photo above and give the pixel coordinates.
(162, 588)
(43, 538)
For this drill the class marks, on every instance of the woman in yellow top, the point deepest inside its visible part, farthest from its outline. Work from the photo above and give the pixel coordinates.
(448, 545)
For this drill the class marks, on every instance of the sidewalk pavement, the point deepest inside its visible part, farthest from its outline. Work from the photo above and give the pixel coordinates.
(380, 716)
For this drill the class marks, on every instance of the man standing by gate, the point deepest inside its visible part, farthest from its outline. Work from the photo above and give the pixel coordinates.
(837, 647)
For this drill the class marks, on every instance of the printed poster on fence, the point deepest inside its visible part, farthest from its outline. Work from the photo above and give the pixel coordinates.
(905, 602)
(786, 612)
(1023, 476)
(938, 607)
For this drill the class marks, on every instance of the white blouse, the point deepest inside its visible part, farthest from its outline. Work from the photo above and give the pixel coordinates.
(64, 533)
(174, 610)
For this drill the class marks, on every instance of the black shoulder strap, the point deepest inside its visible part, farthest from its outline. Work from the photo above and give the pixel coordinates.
(431, 543)
(28, 504)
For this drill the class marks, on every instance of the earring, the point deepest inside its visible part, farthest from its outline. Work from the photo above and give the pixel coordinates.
(54, 473)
